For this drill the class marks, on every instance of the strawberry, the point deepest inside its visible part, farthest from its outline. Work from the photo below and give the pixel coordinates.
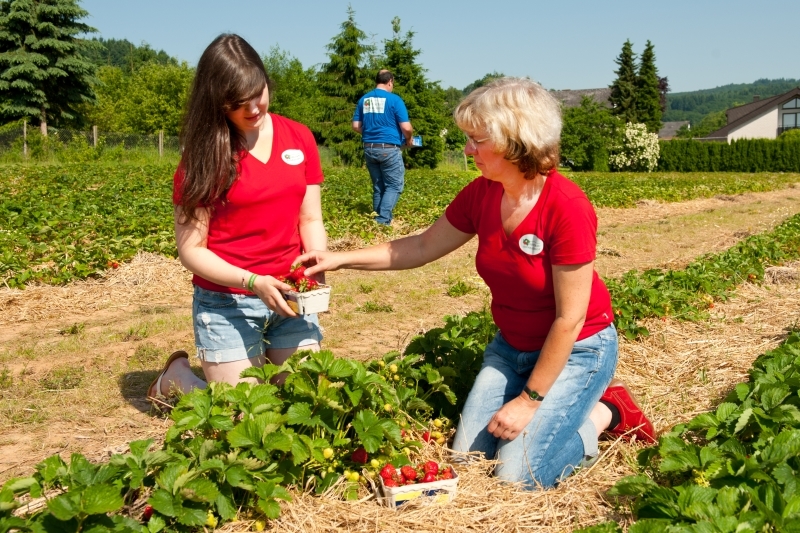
(431, 467)
(360, 456)
(388, 472)
(390, 483)
(409, 473)
(297, 273)
(447, 473)
(429, 477)
(147, 513)
(426, 436)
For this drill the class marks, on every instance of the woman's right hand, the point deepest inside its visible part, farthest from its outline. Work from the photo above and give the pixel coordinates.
(317, 261)
(269, 290)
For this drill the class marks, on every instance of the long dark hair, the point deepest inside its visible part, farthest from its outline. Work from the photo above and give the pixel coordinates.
(229, 73)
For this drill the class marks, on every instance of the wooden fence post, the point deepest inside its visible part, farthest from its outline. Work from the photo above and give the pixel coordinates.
(94, 136)
(25, 138)
(160, 143)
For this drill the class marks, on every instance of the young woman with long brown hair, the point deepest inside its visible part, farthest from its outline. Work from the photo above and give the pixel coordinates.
(247, 203)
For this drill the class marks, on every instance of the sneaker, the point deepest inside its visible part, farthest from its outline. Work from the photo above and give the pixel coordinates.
(633, 422)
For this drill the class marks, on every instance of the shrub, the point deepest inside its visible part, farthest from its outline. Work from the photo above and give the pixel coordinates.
(639, 150)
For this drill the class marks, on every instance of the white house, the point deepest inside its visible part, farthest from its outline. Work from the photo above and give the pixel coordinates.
(760, 119)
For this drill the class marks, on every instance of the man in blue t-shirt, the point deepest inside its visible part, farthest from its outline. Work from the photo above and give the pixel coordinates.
(382, 120)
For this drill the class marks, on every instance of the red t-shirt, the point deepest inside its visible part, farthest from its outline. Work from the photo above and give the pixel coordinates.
(561, 229)
(256, 227)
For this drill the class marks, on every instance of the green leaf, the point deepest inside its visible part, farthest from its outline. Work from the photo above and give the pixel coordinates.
(368, 429)
(299, 414)
(200, 490)
(190, 516)
(743, 419)
(632, 486)
(65, 506)
(101, 499)
(162, 501)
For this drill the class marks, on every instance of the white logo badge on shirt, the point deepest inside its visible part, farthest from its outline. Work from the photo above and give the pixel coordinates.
(293, 157)
(531, 244)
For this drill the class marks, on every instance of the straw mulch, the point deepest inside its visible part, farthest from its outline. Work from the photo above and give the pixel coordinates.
(147, 279)
(680, 370)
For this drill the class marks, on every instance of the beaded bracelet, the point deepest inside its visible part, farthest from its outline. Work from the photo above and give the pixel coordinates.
(251, 282)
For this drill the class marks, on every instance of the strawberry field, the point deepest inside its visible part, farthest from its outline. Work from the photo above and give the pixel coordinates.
(62, 223)
(710, 345)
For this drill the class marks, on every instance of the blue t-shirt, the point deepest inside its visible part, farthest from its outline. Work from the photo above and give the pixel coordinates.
(380, 113)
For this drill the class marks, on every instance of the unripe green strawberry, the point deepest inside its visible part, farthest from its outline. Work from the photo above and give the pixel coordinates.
(327, 453)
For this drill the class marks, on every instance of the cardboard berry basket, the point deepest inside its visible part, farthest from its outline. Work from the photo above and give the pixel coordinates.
(435, 492)
(306, 303)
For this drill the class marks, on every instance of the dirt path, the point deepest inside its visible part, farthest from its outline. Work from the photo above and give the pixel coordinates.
(75, 361)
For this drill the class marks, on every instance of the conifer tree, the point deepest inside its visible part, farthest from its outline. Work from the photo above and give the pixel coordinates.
(43, 74)
(424, 100)
(342, 81)
(648, 97)
(623, 90)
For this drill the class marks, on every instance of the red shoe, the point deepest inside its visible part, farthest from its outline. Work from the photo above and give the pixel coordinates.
(633, 422)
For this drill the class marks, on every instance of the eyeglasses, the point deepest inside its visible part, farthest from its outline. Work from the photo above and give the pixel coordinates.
(473, 143)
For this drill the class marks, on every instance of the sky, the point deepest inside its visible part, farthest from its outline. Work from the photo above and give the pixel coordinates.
(562, 44)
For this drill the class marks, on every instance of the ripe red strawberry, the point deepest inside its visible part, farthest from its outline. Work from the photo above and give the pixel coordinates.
(148, 512)
(429, 477)
(426, 436)
(409, 473)
(446, 474)
(360, 456)
(297, 273)
(431, 467)
(390, 483)
(388, 472)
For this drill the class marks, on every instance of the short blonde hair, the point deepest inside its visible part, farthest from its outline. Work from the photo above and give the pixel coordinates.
(521, 118)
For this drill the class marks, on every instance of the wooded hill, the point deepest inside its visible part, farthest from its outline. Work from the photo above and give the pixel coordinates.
(694, 105)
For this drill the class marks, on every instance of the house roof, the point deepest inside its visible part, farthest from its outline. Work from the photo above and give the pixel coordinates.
(572, 98)
(670, 129)
(744, 113)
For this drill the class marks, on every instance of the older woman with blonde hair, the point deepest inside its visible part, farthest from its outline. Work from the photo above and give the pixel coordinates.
(545, 393)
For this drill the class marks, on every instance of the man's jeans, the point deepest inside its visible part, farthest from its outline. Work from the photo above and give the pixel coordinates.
(560, 437)
(386, 169)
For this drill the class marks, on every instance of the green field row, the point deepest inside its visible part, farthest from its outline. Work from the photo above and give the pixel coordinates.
(65, 222)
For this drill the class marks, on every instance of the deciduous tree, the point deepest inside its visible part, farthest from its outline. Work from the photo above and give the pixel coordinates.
(589, 133)
(295, 93)
(43, 72)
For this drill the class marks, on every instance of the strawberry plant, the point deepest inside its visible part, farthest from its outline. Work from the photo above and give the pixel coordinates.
(733, 469)
(73, 221)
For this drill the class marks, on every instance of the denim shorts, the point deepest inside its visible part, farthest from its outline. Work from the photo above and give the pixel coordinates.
(560, 437)
(234, 327)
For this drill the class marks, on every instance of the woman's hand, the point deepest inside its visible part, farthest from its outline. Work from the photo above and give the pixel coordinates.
(269, 290)
(512, 418)
(317, 261)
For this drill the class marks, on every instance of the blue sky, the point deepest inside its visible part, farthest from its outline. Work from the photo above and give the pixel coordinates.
(563, 44)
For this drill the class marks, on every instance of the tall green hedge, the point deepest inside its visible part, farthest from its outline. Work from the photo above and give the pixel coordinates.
(745, 155)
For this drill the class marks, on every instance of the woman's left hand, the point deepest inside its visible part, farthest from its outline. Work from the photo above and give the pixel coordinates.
(512, 418)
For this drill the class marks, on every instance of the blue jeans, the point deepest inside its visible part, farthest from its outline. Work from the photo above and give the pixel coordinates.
(234, 327)
(560, 437)
(385, 166)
